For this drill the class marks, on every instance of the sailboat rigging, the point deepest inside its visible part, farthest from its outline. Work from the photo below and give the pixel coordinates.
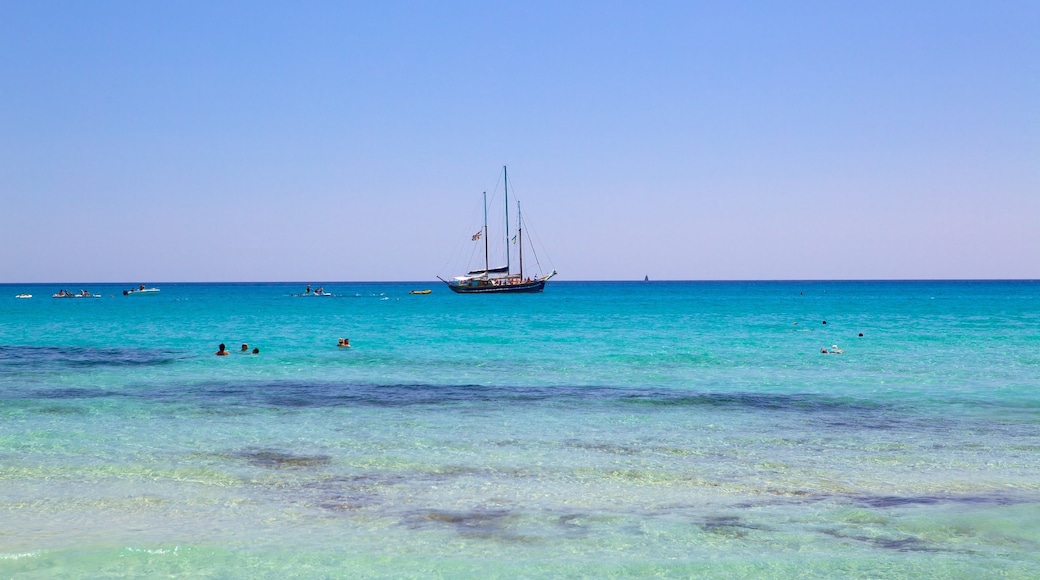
(500, 279)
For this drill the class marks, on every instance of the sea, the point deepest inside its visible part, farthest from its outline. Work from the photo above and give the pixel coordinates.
(595, 430)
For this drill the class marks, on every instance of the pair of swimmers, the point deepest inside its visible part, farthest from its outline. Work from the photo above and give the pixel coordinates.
(344, 342)
(223, 351)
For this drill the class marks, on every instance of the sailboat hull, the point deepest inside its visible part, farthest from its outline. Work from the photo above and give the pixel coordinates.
(523, 288)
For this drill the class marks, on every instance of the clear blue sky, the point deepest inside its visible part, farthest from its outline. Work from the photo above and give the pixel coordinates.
(233, 141)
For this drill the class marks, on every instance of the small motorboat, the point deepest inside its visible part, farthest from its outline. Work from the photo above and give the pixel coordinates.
(141, 291)
(24, 296)
(420, 291)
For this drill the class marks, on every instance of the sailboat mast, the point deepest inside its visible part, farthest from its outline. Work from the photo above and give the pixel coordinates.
(520, 237)
(486, 264)
(505, 181)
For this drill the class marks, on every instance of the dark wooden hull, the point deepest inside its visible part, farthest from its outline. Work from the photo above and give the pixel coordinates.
(525, 288)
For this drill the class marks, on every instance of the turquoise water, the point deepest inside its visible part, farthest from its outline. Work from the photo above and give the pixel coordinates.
(594, 430)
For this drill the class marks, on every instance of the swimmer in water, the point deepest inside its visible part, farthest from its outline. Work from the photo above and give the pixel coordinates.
(222, 350)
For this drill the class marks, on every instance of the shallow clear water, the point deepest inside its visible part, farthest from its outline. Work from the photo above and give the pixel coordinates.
(594, 430)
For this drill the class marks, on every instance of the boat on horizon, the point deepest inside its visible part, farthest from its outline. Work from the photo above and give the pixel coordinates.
(319, 292)
(501, 279)
(141, 291)
(82, 294)
(420, 291)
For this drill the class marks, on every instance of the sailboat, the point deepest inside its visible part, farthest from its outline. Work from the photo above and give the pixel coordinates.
(502, 279)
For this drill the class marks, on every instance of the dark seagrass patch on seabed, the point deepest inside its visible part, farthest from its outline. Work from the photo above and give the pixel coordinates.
(397, 395)
(72, 393)
(43, 358)
(477, 523)
(504, 525)
(62, 410)
(827, 411)
(235, 398)
(806, 403)
(369, 489)
(346, 493)
(315, 394)
(275, 459)
(730, 527)
(894, 501)
(833, 411)
(55, 401)
(574, 525)
(899, 544)
(797, 496)
(608, 448)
